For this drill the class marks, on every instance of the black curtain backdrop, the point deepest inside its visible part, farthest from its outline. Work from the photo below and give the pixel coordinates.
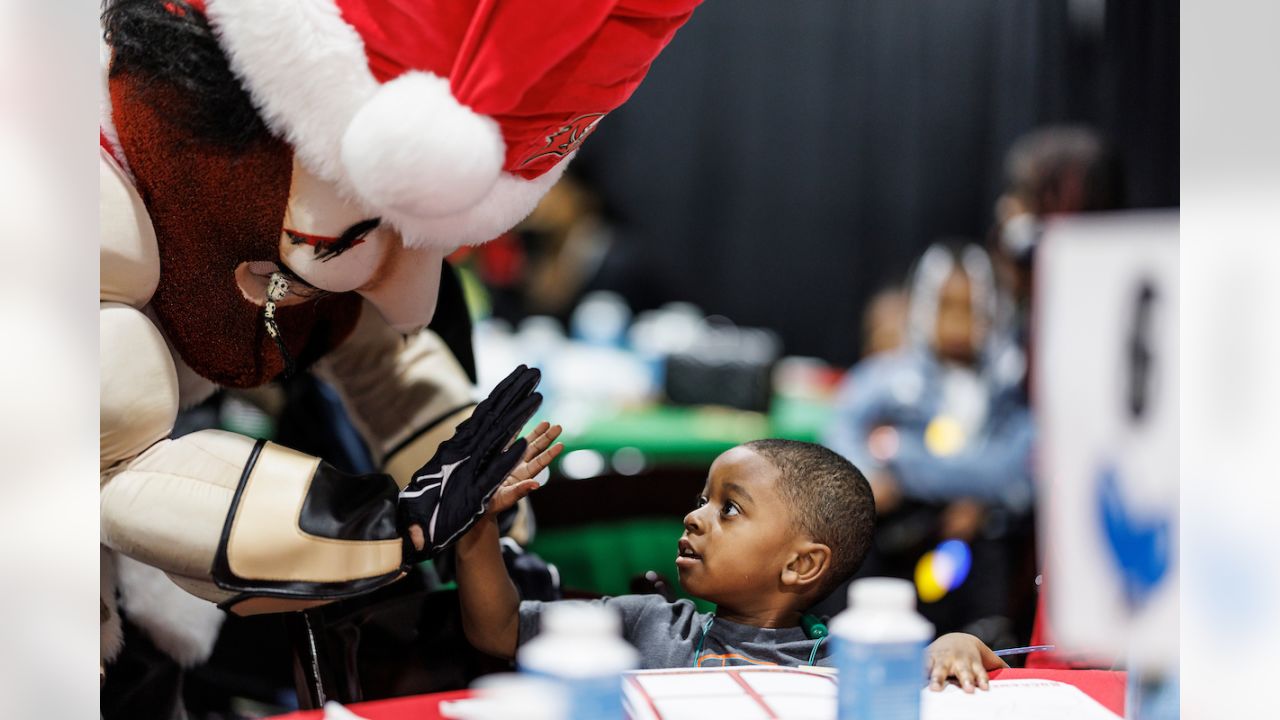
(786, 159)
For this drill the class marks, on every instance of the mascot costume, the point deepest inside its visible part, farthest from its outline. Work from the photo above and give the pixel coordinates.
(280, 182)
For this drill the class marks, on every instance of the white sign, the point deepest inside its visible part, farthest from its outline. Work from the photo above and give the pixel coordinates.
(1105, 393)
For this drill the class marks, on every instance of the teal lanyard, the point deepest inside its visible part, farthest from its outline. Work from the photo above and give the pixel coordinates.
(813, 656)
(711, 620)
(706, 628)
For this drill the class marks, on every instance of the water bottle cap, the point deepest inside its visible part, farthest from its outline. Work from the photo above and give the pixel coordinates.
(580, 619)
(882, 594)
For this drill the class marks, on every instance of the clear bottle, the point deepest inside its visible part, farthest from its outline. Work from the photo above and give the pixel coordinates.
(879, 645)
(581, 647)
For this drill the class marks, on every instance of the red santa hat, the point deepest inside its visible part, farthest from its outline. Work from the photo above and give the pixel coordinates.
(448, 118)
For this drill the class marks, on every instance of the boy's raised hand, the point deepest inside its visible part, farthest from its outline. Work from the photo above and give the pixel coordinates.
(541, 449)
(962, 656)
(451, 492)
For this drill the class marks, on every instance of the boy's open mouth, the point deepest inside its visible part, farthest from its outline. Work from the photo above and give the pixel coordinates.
(687, 556)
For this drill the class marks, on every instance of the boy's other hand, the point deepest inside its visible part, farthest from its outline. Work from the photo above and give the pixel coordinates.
(963, 657)
(541, 450)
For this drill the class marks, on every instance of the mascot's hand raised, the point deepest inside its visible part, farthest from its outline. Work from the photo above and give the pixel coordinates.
(451, 492)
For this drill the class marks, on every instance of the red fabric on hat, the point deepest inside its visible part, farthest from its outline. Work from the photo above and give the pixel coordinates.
(545, 71)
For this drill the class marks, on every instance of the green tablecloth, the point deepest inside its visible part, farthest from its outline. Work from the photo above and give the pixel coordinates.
(671, 435)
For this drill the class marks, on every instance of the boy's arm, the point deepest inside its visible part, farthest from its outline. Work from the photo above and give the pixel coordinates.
(490, 605)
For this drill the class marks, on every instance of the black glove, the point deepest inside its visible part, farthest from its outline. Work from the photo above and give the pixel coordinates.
(450, 493)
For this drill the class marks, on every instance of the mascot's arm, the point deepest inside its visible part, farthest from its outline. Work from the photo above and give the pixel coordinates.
(252, 526)
(406, 394)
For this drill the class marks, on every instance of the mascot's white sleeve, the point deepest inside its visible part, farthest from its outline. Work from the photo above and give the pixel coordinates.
(250, 525)
(405, 393)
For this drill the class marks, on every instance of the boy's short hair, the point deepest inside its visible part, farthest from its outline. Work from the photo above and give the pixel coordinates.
(830, 499)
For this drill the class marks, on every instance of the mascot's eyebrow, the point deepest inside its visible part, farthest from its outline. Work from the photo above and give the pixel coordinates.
(329, 248)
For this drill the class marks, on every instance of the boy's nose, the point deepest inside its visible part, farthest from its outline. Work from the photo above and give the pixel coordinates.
(691, 522)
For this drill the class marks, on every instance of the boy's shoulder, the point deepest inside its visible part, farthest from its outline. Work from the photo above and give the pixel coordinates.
(630, 606)
(640, 614)
(650, 601)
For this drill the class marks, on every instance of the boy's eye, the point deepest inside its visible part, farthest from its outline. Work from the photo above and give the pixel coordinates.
(730, 509)
(699, 502)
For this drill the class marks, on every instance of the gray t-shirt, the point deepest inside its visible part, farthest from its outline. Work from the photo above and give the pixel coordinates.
(667, 635)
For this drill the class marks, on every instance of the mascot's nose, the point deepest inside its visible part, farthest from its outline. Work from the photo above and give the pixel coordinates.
(406, 287)
(402, 283)
(328, 243)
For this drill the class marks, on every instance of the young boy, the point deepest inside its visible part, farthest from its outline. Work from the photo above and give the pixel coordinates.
(778, 525)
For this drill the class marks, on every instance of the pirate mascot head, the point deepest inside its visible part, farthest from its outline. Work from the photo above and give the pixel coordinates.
(280, 183)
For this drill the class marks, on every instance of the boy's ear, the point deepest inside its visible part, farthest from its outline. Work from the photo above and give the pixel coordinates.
(809, 564)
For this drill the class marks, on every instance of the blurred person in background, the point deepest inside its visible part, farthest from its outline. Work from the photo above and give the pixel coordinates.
(1050, 172)
(884, 323)
(942, 430)
(567, 236)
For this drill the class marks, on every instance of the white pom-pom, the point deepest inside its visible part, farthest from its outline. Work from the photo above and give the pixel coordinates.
(415, 150)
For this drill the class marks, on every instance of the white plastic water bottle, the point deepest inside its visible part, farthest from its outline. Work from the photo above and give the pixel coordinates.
(581, 647)
(879, 645)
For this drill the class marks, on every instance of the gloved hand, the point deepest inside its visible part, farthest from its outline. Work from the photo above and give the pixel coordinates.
(449, 494)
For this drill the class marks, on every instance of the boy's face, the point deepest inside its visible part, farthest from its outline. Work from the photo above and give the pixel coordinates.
(737, 540)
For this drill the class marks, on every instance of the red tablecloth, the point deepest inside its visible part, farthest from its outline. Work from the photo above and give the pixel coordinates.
(1105, 686)
(414, 707)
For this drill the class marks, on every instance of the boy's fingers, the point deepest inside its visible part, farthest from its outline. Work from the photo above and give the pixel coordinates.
(540, 463)
(540, 439)
(534, 437)
(980, 673)
(554, 432)
(524, 488)
(937, 677)
(965, 676)
(416, 536)
(541, 429)
(511, 494)
(531, 466)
